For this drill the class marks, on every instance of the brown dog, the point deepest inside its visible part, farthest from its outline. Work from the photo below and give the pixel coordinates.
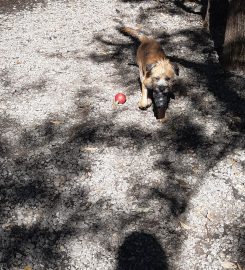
(157, 73)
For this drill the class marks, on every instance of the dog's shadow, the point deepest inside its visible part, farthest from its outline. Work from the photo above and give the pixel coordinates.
(141, 251)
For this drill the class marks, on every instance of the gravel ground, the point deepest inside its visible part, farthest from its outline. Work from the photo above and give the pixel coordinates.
(86, 186)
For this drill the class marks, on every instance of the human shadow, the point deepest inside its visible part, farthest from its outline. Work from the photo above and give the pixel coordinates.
(141, 251)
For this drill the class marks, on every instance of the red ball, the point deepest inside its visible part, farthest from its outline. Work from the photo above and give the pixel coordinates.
(120, 98)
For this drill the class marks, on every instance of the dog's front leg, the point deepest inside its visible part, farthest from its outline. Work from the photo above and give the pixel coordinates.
(145, 101)
(143, 104)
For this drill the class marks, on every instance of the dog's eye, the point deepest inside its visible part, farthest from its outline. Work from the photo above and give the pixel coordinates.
(167, 79)
(157, 78)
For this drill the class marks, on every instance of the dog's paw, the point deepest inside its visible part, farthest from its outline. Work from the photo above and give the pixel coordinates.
(143, 105)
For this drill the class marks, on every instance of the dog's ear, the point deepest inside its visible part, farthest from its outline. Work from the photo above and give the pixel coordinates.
(176, 69)
(149, 67)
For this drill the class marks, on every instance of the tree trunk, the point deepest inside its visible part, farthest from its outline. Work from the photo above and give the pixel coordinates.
(234, 45)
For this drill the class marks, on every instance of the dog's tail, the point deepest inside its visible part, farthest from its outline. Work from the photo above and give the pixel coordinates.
(134, 33)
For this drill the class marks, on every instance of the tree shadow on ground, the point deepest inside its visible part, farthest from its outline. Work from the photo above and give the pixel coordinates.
(189, 138)
(40, 175)
(182, 138)
(117, 51)
(241, 247)
(186, 152)
(38, 86)
(235, 250)
(10, 6)
(36, 210)
(132, 1)
(216, 16)
(226, 87)
(123, 55)
(39, 182)
(158, 7)
(141, 251)
(5, 78)
(40, 211)
(35, 247)
(202, 9)
(6, 123)
(35, 183)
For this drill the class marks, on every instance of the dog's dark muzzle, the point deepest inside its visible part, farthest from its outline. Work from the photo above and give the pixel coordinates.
(160, 99)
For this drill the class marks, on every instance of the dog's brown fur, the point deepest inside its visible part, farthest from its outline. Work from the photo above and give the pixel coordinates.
(155, 69)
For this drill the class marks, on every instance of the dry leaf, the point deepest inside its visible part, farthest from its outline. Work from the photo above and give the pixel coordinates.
(185, 226)
(6, 226)
(233, 161)
(240, 188)
(106, 52)
(236, 120)
(89, 149)
(195, 168)
(27, 268)
(56, 122)
(239, 266)
(229, 265)
(210, 216)
(139, 26)
(143, 209)
(182, 183)
(114, 104)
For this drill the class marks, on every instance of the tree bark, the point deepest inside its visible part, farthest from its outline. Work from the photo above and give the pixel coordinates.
(205, 14)
(233, 56)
